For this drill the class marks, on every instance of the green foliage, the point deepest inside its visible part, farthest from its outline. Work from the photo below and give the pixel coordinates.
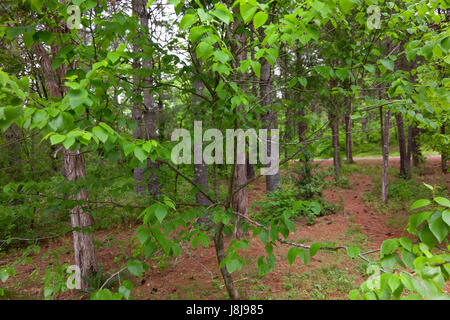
(413, 270)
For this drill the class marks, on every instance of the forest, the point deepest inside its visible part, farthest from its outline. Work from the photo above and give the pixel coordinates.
(224, 150)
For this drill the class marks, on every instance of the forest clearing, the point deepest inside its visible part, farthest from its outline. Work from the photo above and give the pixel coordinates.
(224, 150)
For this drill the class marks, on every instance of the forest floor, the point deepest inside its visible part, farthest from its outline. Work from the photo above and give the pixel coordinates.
(361, 220)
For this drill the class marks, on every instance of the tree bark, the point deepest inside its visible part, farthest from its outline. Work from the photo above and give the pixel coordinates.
(348, 138)
(200, 169)
(266, 96)
(81, 220)
(221, 254)
(444, 155)
(413, 136)
(385, 152)
(240, 199)
(404, 165)
(145, 113)
(74, 168)
(335, 142)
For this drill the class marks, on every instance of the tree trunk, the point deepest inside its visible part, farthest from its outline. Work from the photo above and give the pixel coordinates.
(272, 181)
(348, 138)
(74, 168)
(444, 155)
(240, 199)
(84, 248)
(385, 152)
(200, 169)
(404, 165)
(301, 125)
(335, 142)
(146, 116)
(414, 144)
(364, 125)
(250, 170)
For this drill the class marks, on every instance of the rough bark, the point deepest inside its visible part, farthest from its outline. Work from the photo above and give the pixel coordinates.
(250, 170)
(266, 96)
(240, 199)
(415, 147)
(74, 168)
(348, 138)
(364, 125)
(81, 220)
(145, 113)
(404, 165)
(444, 155)
(221, 254)
(385, 151)
(335, 142)
(200, 170)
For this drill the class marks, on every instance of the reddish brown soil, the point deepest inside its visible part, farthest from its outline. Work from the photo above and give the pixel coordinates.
(194, 275)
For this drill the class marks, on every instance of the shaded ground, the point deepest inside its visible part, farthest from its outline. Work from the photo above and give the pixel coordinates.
(194, 275)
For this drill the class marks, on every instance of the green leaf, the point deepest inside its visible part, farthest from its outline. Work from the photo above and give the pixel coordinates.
(100, 134)
(221, 12)
(8, 115)
(388, 246)
(438, 227)
(420, 203)
(428, 186)
(354, 294)
(135, 267)
(388, 64)
(427, 237)
(346, 5)
(256, 66)
(57, 138)
(36, 5)
(394, 282)
(442, 201)
(446, 217)
(315, 247)
(187, 21)
(370, 68)
(143, 234)
(303, 256)
(68, 142)
(160, 212)
(260, 19)
(292, 254)
(56, 123)
(140, 154)
(406, 243)
(4, 275)
(125, 289)
(204, 49)
(247, 11)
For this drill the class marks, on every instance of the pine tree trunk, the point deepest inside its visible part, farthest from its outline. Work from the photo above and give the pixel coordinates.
(240, 198)
(200, 169)
(84, 248)
(385, 152)
(145, 113)
(74, 169)
(335, 143)
(404, 166)
(444, 155)
(415, 148)
(348, 138)
(272, 181)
